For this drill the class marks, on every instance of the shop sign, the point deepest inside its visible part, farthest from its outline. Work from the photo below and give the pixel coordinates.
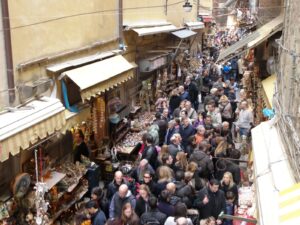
(148, 65)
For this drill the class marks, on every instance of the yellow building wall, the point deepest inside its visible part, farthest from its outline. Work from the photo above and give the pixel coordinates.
(178, 16)
(45, 28)
(205, 6)
(137, 11)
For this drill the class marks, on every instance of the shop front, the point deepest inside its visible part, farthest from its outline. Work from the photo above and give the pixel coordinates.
(153, 74)
(93, 95)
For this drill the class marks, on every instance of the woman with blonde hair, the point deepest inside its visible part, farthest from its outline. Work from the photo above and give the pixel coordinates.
(181, 162)
(228, 185)
(222, 146)
(165, 175)
(225, 109)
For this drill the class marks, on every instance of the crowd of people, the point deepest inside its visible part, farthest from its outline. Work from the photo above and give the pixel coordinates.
(188, 167)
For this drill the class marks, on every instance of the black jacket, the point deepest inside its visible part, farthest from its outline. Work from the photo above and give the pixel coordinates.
(152, 216)
(141, 206)
(81, 149)
(113, 187)
(204, 162)
(174, 103)
(150, 154)
(193, 92)
(185, 133)
(153, 187)
(233, 189)
(214, 207)
(163, 126)
(184, 192)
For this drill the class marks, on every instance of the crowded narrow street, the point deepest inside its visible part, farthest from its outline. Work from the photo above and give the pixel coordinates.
(157, 112)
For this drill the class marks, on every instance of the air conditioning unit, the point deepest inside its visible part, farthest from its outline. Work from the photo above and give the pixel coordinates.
(33, 89)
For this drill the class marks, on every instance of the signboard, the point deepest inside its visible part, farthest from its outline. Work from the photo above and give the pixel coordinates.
(149, 65)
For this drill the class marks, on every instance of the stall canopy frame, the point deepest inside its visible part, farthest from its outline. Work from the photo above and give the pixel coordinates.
(100, 76)
(80, 61)
(28, 124)
(252, 40)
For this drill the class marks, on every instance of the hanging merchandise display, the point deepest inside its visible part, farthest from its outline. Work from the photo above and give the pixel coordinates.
(99, 118)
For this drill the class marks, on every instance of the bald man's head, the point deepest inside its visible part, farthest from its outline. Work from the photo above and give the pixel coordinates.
(123, 189)
(118, 177)
(171, 187)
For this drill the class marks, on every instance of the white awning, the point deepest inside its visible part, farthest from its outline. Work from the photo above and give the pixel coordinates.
(272, 171)
(100, 76)
(28, 124)
(195, 25)
(252, 40)
(144, 24)
(182, 34)
(154, 30)
(77, 62)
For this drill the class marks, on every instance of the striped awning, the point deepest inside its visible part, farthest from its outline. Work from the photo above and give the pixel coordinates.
(100, 76)
(289, 205)
(28, 124)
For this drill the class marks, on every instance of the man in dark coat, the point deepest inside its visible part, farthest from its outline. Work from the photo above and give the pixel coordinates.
(171, 130)
(210, 201)
(204, 162)
(81, 147)
(175, 145)
(150, 152)
(163, 126)
(186, 130)
(119, 199)
(153, 216)
(183, 191)
(192, 91)
(97, 215)
(113, 186)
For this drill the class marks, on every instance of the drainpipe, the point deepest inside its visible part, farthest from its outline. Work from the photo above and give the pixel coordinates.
(197, 11)
(8, 51)
(121, 41)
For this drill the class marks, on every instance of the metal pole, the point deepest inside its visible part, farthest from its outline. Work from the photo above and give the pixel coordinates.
(36, 165)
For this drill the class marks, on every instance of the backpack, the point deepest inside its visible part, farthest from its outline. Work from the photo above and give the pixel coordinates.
(152, 221)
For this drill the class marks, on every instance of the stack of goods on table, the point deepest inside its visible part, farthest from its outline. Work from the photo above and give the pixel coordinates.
(247, 206)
